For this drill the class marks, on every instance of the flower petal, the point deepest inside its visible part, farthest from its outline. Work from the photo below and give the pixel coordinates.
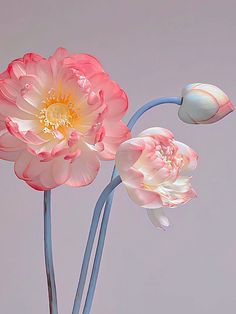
(9, 155)
(156, 132)
(145, 198)
(114, 97)
(8, 109)
(128, 153)
(189, 156)
(61, 170)
(7, 141)
(10, 89)
(114, 135)
(158, 218)
(22, 163)
(84, 168)
(88, 64)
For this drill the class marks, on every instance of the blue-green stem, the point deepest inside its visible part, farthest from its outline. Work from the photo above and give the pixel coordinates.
(105, 219)
(95, 221)
(92, 232)
(52, 293)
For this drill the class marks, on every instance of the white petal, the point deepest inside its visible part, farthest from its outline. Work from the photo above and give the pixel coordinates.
(158, 218)
(197, 106)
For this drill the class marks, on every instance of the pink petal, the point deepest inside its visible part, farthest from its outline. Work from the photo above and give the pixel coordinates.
(60, 149)
(44, 73)
(115, 134)
(157, 177)
(114, 97)
(17, 69)
(128, 153)
(223, 111)
(22, 163)
(37, 185)
(30, 60)
(189, 156)
(31, 57)
(84, 168)
(156, 132)
(8, 109)
(44, 148)
(42, 175)
(132, 178)
(61, 170)
(10, 155)
(8, 141)
(25, 106)
(18, 128)
(47, 180)
(60, 54)
(10, 89)
(34, 167)
(88, 64)
(145, 198)
(57, 59)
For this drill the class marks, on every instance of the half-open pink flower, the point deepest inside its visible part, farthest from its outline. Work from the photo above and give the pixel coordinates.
(204, 104)
(59, 117)
(155, 170)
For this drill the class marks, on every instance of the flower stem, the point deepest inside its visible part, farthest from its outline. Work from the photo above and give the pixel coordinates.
(94, 225)
(52, 293)
(105, 219)
(151, 104)
(92, 232)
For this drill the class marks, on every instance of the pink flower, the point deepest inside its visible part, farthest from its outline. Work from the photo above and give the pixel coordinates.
(59, 117)
(154, 168)
(204, 103)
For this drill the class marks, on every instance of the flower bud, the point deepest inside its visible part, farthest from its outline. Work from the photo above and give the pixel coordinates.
(203, 104)
(155, 168)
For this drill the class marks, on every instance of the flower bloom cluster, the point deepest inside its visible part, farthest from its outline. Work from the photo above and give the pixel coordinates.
(59, 117)
(155, 170)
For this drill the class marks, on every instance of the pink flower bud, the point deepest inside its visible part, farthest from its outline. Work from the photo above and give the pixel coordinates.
(203, 104)
(155, 168)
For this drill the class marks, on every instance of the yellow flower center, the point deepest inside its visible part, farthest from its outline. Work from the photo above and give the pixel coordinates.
(164, 157)
(58, 113)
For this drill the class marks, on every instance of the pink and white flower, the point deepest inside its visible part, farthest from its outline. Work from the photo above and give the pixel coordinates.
(59, 117)
(155, 170)
(203, 104)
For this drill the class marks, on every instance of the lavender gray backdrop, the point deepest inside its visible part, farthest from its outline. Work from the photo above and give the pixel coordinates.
(152, 48)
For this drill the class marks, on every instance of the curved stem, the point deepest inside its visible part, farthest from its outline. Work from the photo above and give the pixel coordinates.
(93, 280)
(52, 293)
(94, 224)
(98, 256)
(92, 232)
(151, 104)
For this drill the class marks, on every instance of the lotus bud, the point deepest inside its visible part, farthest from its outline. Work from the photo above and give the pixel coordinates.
(203, 104)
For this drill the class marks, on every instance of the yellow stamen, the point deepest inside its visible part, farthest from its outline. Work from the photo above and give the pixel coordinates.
(58, 112)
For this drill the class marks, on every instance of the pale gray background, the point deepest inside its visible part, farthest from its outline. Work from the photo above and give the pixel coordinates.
(152, 48)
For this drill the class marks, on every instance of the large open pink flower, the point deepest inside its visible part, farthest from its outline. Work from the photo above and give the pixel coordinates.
(155, 170)
(59, 117)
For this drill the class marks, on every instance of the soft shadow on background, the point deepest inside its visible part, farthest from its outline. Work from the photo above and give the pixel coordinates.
(152, 48)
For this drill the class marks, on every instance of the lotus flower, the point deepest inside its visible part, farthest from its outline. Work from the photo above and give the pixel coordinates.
(59, 117)
(203, 104)
(155, 170)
